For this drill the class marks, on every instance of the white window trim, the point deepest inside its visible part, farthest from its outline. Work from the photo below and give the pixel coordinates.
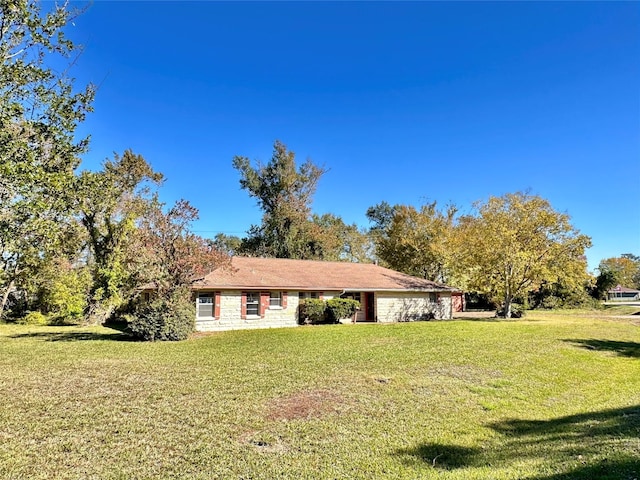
(213, 306)
(279, 297)
(251, 316)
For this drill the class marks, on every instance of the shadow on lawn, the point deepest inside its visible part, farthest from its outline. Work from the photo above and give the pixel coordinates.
(584, 446)
(624, 349)
(76, 336)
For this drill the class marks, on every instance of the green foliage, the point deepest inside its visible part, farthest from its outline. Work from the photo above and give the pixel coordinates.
(556, 295)
(63, 290)
(517, 311)
(284, 193)
(414, 241)
(171, 318)
(333, 240)
(340, 308)
(607, 279)
(228, 244)
(625, 268)
(110, 203)
(311, 311)
(514, 244)
(39, 113)
(315, 311)
(33, 318)
(168, 254)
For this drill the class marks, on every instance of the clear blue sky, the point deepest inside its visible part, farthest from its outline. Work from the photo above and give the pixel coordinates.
(403, 102)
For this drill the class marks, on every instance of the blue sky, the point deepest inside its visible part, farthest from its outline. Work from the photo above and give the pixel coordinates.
(403, 102)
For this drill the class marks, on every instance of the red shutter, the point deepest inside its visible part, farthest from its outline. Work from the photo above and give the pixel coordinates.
(284, 299)
(216, 305)
(243, 305)
(264, 302)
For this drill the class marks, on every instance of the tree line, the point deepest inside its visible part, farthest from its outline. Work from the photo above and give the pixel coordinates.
(83, 245)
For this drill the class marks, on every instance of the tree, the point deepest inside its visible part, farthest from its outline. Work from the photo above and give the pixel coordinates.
(331, 239)
(625, 269)
(39, 112)
(284, 194)
(413, 241)
(516, 242)
(110, 202)
(173, 258)
(229, 244)
(605, 281)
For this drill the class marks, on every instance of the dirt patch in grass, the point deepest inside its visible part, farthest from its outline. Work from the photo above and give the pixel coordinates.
(306, 405)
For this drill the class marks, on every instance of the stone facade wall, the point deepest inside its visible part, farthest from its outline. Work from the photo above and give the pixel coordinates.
(389, 307)
(230, 317)
(410, 306)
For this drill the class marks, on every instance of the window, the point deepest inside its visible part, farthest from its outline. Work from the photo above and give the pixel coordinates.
(253, 304)
(352, 295)
(433, 298)
(305, 295)
(205, 305)
(275, 299)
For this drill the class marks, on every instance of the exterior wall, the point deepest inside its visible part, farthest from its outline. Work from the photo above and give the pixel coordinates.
(389, 307)
(623, 296)
(230, 318)
(410, 306)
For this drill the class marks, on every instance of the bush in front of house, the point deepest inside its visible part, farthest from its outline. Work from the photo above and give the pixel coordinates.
(311, 311)
(164, 318)
(339, 308)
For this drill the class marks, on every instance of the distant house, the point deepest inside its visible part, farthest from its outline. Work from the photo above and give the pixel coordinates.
(620, 293)
(265, 293)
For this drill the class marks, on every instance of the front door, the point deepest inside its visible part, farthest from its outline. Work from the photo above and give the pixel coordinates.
(369, 307)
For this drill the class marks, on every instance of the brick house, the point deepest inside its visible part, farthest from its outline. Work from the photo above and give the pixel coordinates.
(265, 293)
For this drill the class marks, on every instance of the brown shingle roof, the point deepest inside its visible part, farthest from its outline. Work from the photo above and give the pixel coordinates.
(620, 289)
(277, 273)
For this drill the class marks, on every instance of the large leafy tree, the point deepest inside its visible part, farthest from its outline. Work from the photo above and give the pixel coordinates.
(413, 241)
(334, 240)
(39, 112)
(289, 228)
(174, 257)
(515, 243)
(625, 269)
(284, 193)
(110, 203)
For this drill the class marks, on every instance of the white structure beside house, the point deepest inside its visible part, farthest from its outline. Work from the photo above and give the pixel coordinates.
(623, 294)
(265, 293)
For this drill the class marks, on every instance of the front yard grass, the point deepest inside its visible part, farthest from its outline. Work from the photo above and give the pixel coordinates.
(549, 397)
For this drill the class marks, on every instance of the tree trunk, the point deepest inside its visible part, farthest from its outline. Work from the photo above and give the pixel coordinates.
(507, 304)
(5, 297)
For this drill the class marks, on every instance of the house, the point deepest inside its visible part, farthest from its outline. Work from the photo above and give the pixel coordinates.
(265, 293)
(621, 294)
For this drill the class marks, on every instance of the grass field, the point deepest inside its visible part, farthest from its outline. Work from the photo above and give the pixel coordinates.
(554, 396)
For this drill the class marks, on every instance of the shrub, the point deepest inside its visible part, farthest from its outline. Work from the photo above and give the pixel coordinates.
(517, 311)
(312, 311)
(33, 318)
(171, 318)
(339, 308)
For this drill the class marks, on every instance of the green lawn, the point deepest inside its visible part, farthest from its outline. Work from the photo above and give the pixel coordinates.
(549, 397)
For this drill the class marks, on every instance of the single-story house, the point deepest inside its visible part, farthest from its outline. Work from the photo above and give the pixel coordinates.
(620, 293)
(265, 293)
